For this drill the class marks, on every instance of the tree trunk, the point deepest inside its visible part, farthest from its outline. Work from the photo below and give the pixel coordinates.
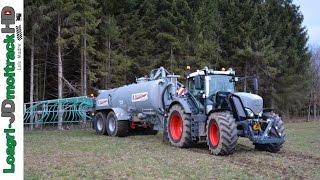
(106, 67)
(245, 74)
(125, 71)
(45, 68)
(36, 88)
(85, 59)
(272, 95)
(309, 106)
(318, 113)
(109, 59)
(314, 107)
(36, 79)
(171, 59)
(31, 81)
(82, 69)
(59, 74)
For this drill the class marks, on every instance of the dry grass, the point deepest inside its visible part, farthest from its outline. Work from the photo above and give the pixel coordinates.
(80, 154)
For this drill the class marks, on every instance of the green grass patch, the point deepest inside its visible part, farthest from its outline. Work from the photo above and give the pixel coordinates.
(80, 154)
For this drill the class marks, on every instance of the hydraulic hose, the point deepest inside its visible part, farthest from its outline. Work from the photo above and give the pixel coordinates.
(195, 103)
(162, 96)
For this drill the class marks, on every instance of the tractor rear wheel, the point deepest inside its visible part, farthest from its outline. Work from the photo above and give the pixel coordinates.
(221, 133)
(179, 127)
(115, 127)
(100, 123)
(274, 148)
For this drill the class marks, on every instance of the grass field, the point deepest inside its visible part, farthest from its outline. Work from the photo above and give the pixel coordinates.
(80, 154)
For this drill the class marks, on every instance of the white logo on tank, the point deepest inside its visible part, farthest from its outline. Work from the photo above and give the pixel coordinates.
(139, 97)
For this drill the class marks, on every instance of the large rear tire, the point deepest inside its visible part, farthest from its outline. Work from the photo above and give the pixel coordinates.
(99, 123)
(273, 148)
(179, 127)
(221, 133)
(115, 127)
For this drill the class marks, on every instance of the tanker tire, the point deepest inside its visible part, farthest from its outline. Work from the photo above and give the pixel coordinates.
(99, 123)
(273, 148)
(222, 134)
(177, 113)
(115, 127)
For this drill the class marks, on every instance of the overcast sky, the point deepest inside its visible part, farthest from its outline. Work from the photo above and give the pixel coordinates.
(311, 12)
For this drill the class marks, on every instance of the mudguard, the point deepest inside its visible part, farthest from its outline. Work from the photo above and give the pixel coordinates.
(121, 114)
(184, 104)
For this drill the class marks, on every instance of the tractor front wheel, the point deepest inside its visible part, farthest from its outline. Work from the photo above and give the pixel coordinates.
(221, 133)
(116, 127)
(179, 127)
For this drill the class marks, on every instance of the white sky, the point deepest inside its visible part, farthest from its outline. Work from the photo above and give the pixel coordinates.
(311, 12)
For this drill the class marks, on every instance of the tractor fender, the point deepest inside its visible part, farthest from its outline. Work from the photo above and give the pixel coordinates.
(121, 114)
(183, 102)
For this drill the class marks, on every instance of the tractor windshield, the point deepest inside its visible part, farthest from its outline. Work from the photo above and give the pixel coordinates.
(220, 83)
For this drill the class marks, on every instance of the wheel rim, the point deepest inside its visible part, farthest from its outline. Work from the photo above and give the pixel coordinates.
(99, 124)
(214, 134)
(112, 124)
(176, 127)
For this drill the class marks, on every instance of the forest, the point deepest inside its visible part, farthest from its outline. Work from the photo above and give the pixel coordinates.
(73, 47)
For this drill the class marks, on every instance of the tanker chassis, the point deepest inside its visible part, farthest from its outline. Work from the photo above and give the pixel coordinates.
(210, 110)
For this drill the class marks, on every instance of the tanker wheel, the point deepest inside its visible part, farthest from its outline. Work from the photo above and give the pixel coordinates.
(222, 134)
(179, 127)
(274, 148)
(115, 127)
(99, 123)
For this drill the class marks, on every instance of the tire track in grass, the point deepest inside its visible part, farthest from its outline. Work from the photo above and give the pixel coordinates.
(299, 156)
(258, 163)
(254, 167)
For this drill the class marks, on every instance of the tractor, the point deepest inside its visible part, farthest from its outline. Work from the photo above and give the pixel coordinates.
(209, 109)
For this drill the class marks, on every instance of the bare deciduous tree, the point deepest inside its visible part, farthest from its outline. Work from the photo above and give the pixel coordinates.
(315, 78)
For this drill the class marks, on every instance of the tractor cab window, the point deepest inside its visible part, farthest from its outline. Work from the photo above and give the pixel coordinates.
(192, 89)
(220, 83)
(197, 93)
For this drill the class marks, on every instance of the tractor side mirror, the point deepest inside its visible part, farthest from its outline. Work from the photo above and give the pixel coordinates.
(234, 79)
(255, 85)
(197, 82)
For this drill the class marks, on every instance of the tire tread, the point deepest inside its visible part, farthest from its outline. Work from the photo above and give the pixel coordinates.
(185, 140)
(228, 133)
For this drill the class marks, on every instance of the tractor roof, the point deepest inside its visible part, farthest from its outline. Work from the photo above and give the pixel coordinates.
(229, 72)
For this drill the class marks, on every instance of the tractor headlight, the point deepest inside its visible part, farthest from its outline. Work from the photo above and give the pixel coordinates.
(249, 112)
(260, 114)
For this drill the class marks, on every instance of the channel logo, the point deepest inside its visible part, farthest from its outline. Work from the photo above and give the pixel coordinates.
(8, 19)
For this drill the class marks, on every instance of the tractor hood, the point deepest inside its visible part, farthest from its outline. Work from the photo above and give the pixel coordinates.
(251, 101)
